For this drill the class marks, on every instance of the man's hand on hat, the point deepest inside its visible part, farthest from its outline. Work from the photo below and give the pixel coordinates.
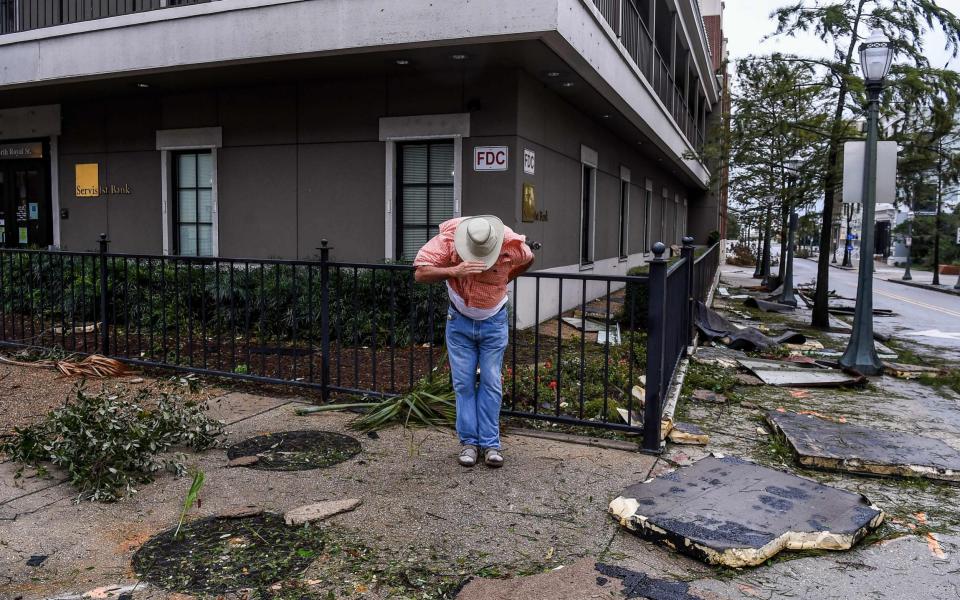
(466, 269)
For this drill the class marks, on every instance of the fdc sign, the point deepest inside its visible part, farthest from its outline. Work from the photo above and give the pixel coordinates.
(491, 158)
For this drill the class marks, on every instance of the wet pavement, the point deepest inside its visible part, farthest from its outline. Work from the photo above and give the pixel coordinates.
(918, 311)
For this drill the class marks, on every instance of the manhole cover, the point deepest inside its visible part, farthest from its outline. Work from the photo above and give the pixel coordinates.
(217, 555)
(296, 450)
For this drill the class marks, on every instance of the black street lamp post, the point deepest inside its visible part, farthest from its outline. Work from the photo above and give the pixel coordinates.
(876, 55)
(765, 268)
(908, 242)
(786, 296)
(848, 211)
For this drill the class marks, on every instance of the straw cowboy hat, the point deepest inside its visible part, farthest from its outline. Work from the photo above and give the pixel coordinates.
(479, 239)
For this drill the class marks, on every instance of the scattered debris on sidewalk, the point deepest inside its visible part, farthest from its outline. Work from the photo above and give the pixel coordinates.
(585, 325)
(714, 326)
(688, 433)
(295, 450)
(829, 444)
(641, 585)
(727, 511)
(849, 310)
(768, 306)
(573, 582)
(94, 365)
(905, 371)
(719, 356)
(708, 396)
(319, 511)
(794, 374)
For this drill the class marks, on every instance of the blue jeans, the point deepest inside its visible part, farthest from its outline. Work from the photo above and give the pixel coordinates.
(471, 343)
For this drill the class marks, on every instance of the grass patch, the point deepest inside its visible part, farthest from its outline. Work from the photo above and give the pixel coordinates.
(708, 377)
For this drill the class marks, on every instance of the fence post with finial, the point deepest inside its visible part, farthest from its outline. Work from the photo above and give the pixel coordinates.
(104, 329)
(324, 320)
(656, 313)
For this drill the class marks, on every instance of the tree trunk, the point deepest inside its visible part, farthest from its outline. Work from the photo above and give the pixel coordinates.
(821, 314)
(936, 220)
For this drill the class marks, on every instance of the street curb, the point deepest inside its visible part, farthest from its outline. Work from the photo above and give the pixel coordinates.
(927, 286)
(833, 266)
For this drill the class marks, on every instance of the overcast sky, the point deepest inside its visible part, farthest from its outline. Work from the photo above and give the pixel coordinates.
(746, 22)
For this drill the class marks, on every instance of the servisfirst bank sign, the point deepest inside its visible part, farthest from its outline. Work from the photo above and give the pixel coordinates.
(87, 179)
(491, 158)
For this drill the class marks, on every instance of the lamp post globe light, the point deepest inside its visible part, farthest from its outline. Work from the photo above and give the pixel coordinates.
(876, 56)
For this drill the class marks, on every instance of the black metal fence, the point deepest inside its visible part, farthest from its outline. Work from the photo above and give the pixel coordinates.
(580, 342)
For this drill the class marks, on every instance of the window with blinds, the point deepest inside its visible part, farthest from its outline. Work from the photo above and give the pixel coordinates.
(193, 206)
(425, 176)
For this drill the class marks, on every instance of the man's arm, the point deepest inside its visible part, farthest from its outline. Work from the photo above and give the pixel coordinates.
(431, 274)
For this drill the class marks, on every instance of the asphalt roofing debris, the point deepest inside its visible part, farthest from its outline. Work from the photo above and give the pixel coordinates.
(835, 445)
(728, 511)
(715, 326)
(768, 305)
(808, 373)
(641, 585)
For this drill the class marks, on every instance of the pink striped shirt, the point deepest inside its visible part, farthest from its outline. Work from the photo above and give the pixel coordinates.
(485, 290)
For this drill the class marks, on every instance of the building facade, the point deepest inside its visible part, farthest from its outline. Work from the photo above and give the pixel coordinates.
(256, 128)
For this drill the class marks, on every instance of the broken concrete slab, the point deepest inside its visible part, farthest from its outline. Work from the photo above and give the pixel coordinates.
(319, 511)
(727, 511)
(835, 446)
(787, 373)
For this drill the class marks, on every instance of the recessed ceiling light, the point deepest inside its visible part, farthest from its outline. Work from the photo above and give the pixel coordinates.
(402, 61)
(567, 84)
(604, 116)
(459, 56)
(553, 73)
(143, 85)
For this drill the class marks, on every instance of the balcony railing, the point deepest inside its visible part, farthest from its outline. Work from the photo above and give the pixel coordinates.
(624, 19)
(24, 15)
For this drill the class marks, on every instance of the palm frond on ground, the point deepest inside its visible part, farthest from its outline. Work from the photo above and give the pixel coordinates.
(431, 403)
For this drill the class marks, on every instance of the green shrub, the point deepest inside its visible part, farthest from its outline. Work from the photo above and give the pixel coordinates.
(595, 367)
(270, 300)
(109, 442)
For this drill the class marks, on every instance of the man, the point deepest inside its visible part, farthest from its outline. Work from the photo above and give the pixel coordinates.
(477, 257)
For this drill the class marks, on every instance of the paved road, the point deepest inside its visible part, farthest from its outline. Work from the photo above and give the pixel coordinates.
(917, 310)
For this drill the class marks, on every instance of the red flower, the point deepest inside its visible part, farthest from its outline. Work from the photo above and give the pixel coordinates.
(552, 385)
